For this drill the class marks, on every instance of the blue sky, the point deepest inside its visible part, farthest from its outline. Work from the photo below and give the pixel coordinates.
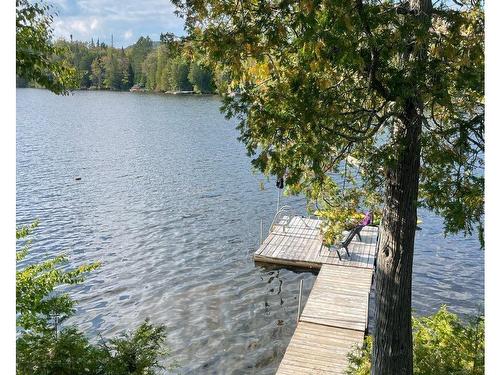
(127, 20)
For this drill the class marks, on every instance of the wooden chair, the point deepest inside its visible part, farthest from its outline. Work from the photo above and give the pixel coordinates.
(353, 233)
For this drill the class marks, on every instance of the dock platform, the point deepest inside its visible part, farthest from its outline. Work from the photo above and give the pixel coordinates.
(297, 242)
(335, 317)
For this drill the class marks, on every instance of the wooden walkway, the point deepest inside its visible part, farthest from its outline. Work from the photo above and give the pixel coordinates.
(335, 317)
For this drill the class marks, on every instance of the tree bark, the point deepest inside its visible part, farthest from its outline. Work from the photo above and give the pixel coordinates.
(393, 344)
(392, 349)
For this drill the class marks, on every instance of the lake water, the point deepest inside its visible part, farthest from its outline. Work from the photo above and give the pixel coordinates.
(168, 203)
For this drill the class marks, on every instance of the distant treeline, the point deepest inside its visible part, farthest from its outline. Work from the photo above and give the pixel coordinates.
(167, 65)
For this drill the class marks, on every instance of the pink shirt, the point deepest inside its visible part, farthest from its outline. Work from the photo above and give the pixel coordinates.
(367, 219)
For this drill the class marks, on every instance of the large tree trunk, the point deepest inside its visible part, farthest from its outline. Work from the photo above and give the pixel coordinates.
(393, 344)
(392, 349)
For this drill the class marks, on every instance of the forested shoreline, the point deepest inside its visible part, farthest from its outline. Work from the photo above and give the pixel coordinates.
(169, 65)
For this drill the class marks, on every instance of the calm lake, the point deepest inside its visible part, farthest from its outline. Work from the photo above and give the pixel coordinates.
(168, 203)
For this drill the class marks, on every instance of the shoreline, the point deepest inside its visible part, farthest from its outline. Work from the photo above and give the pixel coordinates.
(176, 93)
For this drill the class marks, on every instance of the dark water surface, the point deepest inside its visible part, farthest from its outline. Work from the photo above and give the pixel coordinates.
(168, 203)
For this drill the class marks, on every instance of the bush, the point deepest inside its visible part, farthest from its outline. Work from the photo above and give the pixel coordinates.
(69, 352)
(43, 348)
(442, 345)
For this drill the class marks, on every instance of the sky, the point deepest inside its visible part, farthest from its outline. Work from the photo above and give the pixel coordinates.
(127, 20)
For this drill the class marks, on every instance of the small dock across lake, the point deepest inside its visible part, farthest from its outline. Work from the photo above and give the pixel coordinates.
(335, 317)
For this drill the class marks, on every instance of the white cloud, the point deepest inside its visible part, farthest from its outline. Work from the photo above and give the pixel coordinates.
(94, 24)
(86, 19)
(79, 26)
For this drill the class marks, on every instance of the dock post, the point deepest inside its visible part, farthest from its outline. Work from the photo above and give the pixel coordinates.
(261, 231)
(278, 203)
(300, 299)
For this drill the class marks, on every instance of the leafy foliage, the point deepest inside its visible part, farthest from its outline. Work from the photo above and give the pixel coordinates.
(201, 78)
(178, 71)
(43, 348)
(341, 207)
(138, 54)
(397, 85)
(35, 302)
(70, 352)
(67, 353)
(137, 353)
(335, 222)
(318, 82)
(37, 58)
(63, 65)
(442, 345)
(170, 65)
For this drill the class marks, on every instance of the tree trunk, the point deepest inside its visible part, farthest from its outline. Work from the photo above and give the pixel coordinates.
(393, 344)
(392, 349)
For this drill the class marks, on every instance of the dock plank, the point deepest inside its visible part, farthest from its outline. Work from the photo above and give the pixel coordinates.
(335, 316)
(339, 298)
(316, 349)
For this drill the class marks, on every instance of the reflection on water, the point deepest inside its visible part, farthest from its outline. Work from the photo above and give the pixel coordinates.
(169, 204)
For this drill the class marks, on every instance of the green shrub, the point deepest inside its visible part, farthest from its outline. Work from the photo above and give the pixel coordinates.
(36, 302)
(69, 352)
(442, 345)
(44, 348)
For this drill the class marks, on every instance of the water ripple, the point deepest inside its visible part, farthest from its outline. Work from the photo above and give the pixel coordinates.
(169, 205)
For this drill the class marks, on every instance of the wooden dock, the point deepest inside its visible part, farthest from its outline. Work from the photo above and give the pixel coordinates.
(297, 242)
(335, 317)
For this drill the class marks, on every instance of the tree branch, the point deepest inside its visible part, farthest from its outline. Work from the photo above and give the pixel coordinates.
(373, 81)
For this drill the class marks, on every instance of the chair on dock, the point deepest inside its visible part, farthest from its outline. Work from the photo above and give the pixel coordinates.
(356, 231)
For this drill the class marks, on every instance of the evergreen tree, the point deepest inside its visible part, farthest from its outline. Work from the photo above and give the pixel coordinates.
(105, 67)
(138, 53)
(398, 85)
(127, 74)
(167, 38)
(178, 70)
(112, 71)
(97, 75)
(149, 70)
(162, 56)
(201, 79)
